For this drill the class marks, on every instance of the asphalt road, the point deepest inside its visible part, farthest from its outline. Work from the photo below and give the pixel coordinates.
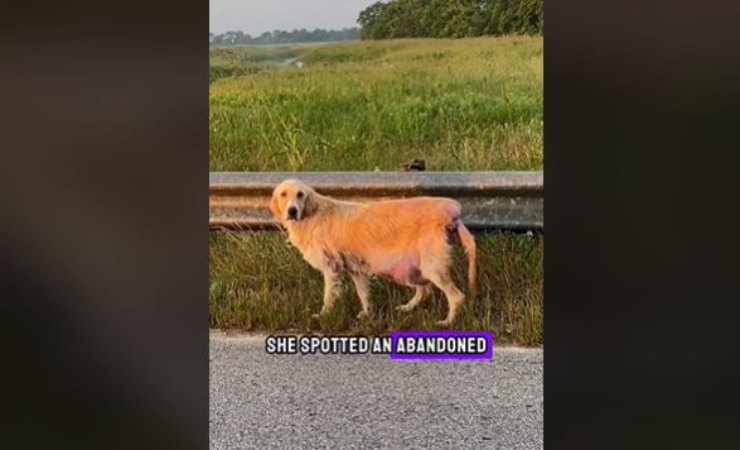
(263, 401)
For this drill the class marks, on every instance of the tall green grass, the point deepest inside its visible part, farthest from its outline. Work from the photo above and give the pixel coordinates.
(467, 104)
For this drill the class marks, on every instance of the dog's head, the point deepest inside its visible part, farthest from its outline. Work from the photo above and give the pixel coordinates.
(293, 200)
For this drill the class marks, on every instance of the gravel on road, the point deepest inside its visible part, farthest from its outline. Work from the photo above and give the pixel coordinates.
(262, 401)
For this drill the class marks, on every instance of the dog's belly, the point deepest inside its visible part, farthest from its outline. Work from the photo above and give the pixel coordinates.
(405, 272)
(402, 270)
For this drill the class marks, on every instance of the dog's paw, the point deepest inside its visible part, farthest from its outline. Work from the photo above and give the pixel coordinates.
(443, 323)
(363, 315)
(404, 308)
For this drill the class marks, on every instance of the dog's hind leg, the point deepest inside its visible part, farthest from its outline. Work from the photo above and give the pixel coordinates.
(363, 291)
(440, 275)
(331, 291)
(422, 293)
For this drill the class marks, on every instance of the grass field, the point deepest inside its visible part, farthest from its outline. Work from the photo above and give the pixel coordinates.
(467, 104)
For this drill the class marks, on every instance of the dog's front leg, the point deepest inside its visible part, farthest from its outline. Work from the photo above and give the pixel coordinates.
(363, 291)
(331, 291)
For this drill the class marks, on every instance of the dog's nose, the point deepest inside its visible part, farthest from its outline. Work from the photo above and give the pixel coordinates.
(292, 211)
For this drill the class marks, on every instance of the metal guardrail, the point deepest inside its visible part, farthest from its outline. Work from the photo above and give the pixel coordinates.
(490, 200)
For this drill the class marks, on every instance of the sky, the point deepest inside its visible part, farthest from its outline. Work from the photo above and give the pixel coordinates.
(254, 17)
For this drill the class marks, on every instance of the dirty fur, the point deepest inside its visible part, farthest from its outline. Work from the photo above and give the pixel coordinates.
(409, 241)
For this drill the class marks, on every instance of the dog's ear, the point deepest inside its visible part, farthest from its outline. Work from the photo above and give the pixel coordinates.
(275, 206)
(311, 204)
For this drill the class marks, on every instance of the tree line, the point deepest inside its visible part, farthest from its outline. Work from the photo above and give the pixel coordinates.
(284, 37)
(450, 18)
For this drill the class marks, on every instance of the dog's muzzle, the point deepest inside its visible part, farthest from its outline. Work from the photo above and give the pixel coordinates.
(292, 213)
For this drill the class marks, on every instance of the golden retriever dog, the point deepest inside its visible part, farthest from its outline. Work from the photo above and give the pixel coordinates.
(409, 241)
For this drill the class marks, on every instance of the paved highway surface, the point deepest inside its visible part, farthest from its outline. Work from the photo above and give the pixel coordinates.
(261, 401)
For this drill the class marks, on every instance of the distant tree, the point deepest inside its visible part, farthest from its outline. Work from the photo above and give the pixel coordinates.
(373, 21)
(284, 37)
(450, 18)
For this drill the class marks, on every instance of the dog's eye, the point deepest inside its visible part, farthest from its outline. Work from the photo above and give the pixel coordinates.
(300, 194)
(283, 194)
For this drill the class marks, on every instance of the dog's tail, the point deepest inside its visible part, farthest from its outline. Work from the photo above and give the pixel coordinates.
(468, 242)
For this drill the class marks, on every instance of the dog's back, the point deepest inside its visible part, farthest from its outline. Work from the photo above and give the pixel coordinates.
(397, 223)
(391, 237)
